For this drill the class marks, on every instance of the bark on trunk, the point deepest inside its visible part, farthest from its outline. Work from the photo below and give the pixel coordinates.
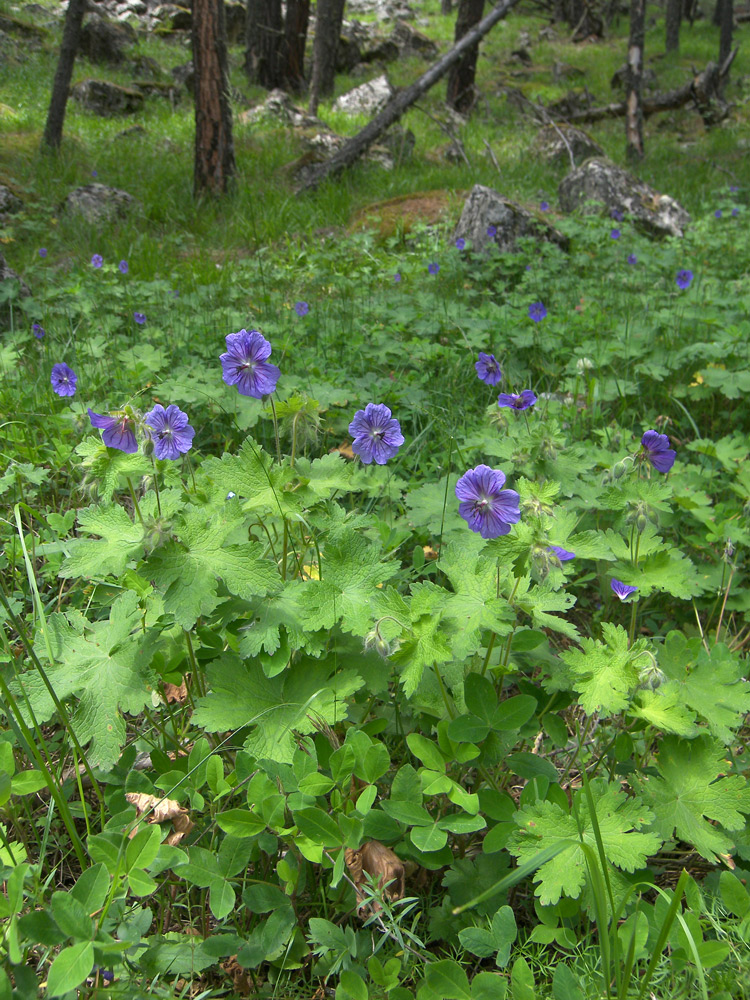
(354, 148)
(461, 93)
(446, 6)
(293, 52)
(63, 74)
(725, 38)
(214, 149)
(634, 82)
(330, 14)
(264, 41)
(673, 21)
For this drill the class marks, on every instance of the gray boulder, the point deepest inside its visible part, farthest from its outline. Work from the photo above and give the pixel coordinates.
(104, 41)
(611, 188)
(99, 203)
(278, 106)
(9, 202)
(557, 143)
(485, 209)
(107, 99)
(367, 99)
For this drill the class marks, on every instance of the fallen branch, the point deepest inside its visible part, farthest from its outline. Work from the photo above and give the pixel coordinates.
(354, 148)
(702, 89)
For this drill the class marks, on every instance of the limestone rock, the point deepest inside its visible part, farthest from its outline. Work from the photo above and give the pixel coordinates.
(279, 106)
(485, 208)
(403, 41)
(9, 202)
(99, 203)
(104, 41)
(612, 188)
(556, 144)
(367, 99)
(383, 10)
(107, 99)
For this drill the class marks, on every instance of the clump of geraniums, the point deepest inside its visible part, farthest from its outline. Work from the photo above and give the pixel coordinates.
(166, 431)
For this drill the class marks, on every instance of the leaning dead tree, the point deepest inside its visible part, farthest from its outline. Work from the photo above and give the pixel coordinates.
(356, 146)
(63, 74)
(634, 82)
(703, 90)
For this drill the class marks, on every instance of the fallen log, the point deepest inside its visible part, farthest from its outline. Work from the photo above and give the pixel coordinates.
(703, 89)
(354, 148)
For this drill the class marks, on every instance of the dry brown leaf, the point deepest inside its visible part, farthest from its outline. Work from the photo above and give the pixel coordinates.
(161, 810)
(175, 693)
(240, 977)
(380, 863)
(345, 449)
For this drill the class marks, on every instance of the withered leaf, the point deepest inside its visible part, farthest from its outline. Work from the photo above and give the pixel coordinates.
(381, 864)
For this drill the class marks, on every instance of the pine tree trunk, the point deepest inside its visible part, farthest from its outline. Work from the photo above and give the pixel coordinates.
(634, 82)
(63, 74)
(330, 14)
(673, 21)
(264, 43)
(460, 90)
(295, 36)
(727, 26)
(716, 17)
(214, 149)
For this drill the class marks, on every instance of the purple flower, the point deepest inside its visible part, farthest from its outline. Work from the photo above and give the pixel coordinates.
(37, 330)
(616, 214)
(397, 277)
(621, 590)
(123, 267)
(140, 318)
(171, 433)
(484, 504)
(718, 213)
(564, 555)
(492, 232)
(377, 435)
(301, 308)
(657, 451)
(433, 268)
(735, 212)
(632, 259)
(544, 206)
(615, 234)
(118, 430)
(733, 188)
(537, 311)
(517, 401)
(97, 260)
(488, 370)
(684, 279)
(63, 379)
(43, 251)
(245, 364)
(460, 243)
(94, 173)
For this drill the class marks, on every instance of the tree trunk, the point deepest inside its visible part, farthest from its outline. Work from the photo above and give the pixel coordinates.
(264, 43)
(63, 74)
(634, 82)
(330, 14)
(460, 91)
(354, 147)
(716, 17)
(446, 7)
(293, 51)
(214, 149)
(725, 38)
(673, 20)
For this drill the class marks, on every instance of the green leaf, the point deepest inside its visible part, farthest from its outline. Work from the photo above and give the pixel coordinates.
(140, 883)
(351, 987)
(734, 895)
(545, 824)
(143, 847)
(233, 855)
(70, 968)
(497, 939)
(691, 791)
(428, 838)
(447, 980)
(565, 985)
(107, 664)
(121, 540)
(241, 695)
(522, 980)
(606, 673)
(488, 986)
(318, 826)
(188, 570)
(540, 600)
(427, 751)
(255, 478)
(71, 915)
(28, 782)
(221, 899)
(91, 888)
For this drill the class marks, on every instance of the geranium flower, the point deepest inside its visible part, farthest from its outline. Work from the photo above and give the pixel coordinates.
(684, 279)
(140, 318)
(171, 433)
(483, 503)
(517, 400)
(63, 379)
(245, 364)
(122, 267)
(537, 311)
(657, 450)
(97, 260)
(377, 435)
(118, 430)
(38, 330)
(301, 308)
(433, 268)
(488, 369)
(564, 555)
(621, 590)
